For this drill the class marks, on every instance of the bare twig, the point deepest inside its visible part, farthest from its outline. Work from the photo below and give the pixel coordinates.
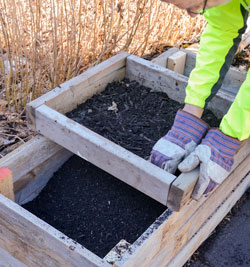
(13, 135)
(48, 42)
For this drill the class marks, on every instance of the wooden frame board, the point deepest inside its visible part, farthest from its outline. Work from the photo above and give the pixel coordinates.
(48, 119)
(169, 241)
(35, 243)
(121, 163)
(32, 165)
(233, 79)
(181, 189)
(68, 95)
(210, 224)
(110, 157)
(159, 78)
(159, 245)
(8, 260)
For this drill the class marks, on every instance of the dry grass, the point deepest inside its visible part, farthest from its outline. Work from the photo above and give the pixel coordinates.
(44, 43)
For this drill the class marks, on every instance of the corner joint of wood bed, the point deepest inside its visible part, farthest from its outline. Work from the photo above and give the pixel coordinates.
(181, 189)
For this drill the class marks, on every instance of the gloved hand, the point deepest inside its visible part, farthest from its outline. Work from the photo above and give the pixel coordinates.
(185, 134)
(216, 155)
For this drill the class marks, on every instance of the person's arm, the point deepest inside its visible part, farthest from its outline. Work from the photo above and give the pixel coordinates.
(218, 45)
(216, 153)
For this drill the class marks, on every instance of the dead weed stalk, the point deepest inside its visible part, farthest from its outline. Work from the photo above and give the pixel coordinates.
(44, 43)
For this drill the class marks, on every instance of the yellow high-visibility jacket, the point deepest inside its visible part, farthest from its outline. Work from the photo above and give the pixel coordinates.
(218, 45)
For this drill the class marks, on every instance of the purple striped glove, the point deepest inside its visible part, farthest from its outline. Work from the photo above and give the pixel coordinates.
(216, 155)
(185, 134)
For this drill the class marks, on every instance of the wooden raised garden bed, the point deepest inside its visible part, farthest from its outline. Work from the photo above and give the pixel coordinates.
(172, 238)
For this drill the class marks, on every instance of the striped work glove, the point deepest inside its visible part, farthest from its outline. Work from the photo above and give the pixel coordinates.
(216, 155)
(185, 134)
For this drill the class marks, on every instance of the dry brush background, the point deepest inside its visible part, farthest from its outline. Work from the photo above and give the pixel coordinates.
(44, 43)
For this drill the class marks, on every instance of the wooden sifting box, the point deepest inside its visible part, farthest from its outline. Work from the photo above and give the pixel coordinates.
(175, 235)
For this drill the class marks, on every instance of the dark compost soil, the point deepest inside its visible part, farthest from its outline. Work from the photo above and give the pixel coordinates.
(91, 206)
(94, 208)
(131, 115)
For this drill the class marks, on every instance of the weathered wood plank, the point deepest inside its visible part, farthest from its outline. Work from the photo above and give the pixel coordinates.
(68, 95)
(32, 165)
(6, 260)
(28, 187)
(110, 157)
(202, 213)
(184, 254)
(179, 194)
(156, 77)
(162, 59)
(173, 84)
(35, 243)
(176, 62)
(161, 243)
(233, 79)
(29, 155)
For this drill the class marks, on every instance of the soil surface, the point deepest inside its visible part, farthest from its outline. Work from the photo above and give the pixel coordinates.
(131, 115)
(89, 205)
(94, 208)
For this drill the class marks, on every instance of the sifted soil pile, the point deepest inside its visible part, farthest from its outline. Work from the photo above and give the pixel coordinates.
(94, 208)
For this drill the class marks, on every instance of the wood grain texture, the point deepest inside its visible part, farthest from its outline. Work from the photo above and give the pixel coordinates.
(6, 260)
(29, 155)
(173, 84)
(105, 154)
(181, 189)
(35, 243)
(179, 195)
(32, 164)
(205, 208)
(176, 62)
(156, 77)
(210, 224)
(162, 59)
(158, 246)
(68, 95)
